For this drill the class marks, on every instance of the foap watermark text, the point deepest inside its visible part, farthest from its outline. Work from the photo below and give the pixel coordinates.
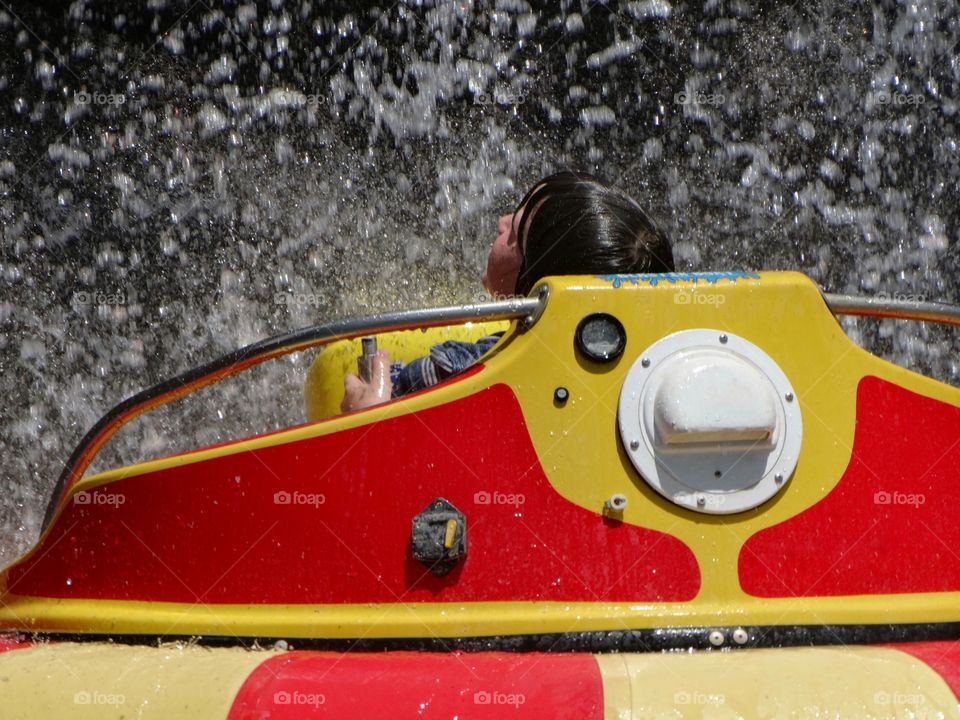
(95, 697)
(283, 497)
(99, 498)
(485, 497)
(295, 697)
(494, 697)
(886, 497)
(695, 697)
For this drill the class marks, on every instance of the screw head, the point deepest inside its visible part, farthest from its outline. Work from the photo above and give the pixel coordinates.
(716, 638)
(701, 501)
(740, 636)
(616, 503)
(561, 395)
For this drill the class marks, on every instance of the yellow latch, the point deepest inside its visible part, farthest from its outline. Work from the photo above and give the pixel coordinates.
(451, 535)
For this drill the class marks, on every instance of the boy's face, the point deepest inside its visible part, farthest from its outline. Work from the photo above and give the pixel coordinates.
(506, 253)
(503, 263)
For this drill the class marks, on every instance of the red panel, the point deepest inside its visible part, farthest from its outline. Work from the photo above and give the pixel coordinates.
(943, 657)
(422, 685)
(890, 524)
(12, 642)
(212, 532)
(459, 377)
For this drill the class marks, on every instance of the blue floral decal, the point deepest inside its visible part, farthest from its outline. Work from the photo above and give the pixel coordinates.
(654, 278)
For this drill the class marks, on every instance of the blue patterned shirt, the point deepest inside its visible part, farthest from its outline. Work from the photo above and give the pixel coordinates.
(445, 360)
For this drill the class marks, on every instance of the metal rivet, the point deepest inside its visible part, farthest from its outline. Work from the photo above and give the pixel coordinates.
(778, 478)
(788, 397)
(716, 638)
(740, 636)
(616, 503)
(645, 362)
(723, 339)
(634, 444)
(561, 394)
(701, 501)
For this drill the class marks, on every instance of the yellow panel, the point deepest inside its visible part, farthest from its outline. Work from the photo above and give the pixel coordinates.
(100, 681)
(822, 364)
(841, 682)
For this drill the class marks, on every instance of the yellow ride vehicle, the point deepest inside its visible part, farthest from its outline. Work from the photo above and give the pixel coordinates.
(700, 462)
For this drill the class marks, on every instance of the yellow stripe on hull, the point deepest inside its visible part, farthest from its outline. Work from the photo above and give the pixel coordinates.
(113, 682)
(790, 683)
(100, 681)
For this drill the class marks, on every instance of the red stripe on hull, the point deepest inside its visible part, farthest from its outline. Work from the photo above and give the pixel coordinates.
(328, 520)
(422, 685)
(942, 657)
(12, 642)
(889, 525)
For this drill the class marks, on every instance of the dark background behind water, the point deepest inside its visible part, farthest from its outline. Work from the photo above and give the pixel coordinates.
(180, 178)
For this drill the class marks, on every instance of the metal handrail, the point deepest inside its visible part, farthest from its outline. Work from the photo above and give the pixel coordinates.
(273, 347)
(893, 308)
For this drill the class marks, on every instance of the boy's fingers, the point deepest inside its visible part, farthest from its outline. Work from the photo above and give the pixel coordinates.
(379, 368)
(381, 374)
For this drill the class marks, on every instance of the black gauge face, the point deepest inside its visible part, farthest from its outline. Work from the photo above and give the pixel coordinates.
(601, 337)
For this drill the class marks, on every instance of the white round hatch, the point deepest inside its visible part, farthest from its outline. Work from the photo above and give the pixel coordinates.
(710, 421)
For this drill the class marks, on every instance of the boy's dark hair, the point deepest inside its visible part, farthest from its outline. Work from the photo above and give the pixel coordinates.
(574, 224)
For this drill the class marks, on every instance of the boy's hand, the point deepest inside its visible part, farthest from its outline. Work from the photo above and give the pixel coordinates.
(358, 394)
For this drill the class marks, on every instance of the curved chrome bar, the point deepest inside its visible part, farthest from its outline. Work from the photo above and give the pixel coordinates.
(898, 309)
(276, 346)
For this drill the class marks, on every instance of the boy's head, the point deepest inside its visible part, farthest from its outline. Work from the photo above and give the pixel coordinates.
(573, 224)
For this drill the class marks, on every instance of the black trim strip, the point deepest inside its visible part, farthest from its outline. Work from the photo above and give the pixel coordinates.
(649, 640)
